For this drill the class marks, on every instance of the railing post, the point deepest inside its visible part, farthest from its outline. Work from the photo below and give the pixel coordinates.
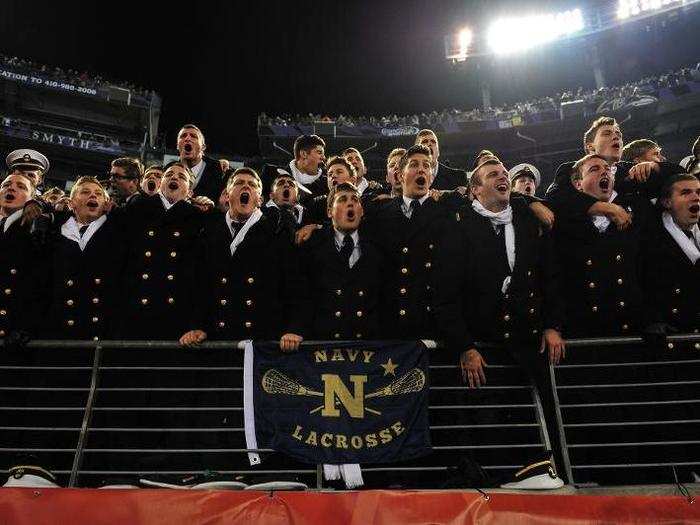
(319, 476)
(560, 426)
(544, 431)
(87, 417)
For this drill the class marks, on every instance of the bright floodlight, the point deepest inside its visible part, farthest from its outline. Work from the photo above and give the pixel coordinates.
(457, 45)
(630, 8)
(510, 35)
(465, 40)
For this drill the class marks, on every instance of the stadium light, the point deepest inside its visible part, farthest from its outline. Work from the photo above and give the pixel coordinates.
(465, 40)
(630, 8)
(457, 45)
(510, 35)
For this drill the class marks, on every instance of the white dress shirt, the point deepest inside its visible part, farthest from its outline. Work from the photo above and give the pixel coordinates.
(340, 237)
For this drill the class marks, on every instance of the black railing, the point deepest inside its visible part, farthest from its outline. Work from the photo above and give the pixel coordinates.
(97, 410)
(112, 410)
(627, 412)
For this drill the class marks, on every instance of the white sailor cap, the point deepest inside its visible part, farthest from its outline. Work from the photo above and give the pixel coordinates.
(30, 476)
(524, 169)
(28, 159)
(686, 161)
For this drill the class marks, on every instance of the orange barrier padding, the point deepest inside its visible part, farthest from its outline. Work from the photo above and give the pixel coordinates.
(378, 507)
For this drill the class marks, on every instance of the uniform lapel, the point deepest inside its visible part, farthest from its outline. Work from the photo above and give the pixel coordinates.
(673, 249)
(519, 228)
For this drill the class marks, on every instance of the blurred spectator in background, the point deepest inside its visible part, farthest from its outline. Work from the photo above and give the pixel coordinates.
(525, 178)
(207, 173)
(642, 150)
(392, 171)
(124, 177)
(443, 177)
(31, 162)
(150, 183)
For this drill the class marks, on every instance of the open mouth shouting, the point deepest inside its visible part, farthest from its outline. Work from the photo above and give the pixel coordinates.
(244, 198)
(421, 181)
(9, 197)
(350, 215)
(173, 185)
(694, 209)
(502, 187)
(286, 194)
(151, 185)
(93, 205)
(188, 147)
(604, 184)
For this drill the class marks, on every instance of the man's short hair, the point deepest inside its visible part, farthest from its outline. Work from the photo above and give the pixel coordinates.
(637, 148)
(227, 176)
(343, 187)
(589, 136)
(475, 179)
(307, 143)
(480, 155)
(244, 171)
(279, 178)
(576, 173)
(86, 180)
(183, 166)
(21, 173)
(153, 167)
(194, 127)
(343, 161)
(423, 133)
(132, 167)
(667, 189)
(347, 151)
(396, 151)
(416, 149)
(53, 190)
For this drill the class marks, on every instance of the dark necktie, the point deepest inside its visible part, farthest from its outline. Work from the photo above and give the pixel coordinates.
(82, 230)
(347, 248)
(415, 206)
(501, 238)
(688, 234)
(235, 228)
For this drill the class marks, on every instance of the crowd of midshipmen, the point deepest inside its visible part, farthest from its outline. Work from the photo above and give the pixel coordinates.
(196, 251)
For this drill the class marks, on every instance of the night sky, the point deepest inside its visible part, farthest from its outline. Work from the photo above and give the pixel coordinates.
(219, 64)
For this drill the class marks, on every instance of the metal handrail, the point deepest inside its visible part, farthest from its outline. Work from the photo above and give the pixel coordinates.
(626, 343)
(633, 423)
(630, 385)
(639, 465)
(99, 346)
(634, 444)
(230, 345)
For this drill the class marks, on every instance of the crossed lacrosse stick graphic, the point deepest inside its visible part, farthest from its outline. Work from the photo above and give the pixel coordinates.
(275, 382)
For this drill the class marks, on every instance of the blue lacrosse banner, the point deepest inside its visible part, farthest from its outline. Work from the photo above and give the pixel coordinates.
(339, 403)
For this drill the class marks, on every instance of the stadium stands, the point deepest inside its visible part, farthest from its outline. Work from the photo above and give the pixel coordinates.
(603, 100)
(80, 120)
